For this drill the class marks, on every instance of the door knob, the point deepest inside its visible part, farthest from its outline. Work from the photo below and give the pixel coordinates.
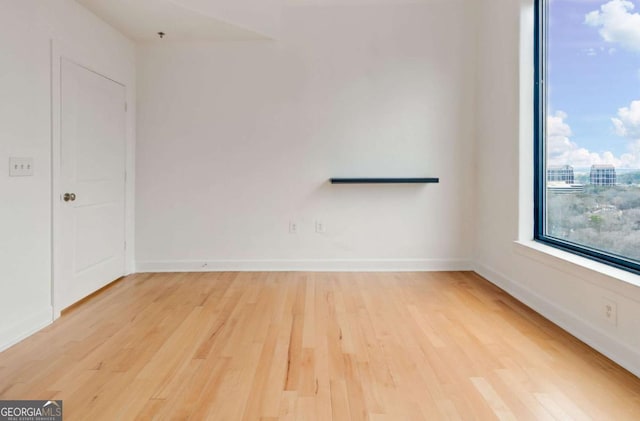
(69, 197)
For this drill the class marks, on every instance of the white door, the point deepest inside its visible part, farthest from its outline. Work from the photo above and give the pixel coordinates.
(92, 183)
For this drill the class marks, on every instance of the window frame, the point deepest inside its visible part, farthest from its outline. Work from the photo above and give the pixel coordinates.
(539, 154)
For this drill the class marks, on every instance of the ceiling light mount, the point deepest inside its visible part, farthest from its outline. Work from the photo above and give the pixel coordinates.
(161, 34)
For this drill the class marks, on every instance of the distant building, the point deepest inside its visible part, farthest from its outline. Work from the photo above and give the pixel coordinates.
(560, 173)
(561, 187)
(603, 175)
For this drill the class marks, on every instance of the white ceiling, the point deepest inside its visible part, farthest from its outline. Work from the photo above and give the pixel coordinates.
(141, 20)
(333, 3)
(202, 20)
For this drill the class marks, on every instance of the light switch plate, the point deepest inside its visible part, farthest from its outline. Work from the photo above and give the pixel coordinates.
(20, 167)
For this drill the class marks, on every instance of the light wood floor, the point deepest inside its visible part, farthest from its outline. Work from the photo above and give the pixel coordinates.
(316, 346)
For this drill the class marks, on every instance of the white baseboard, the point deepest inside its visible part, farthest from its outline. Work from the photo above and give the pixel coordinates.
(335, 265)
(29, 325)
(619, 352)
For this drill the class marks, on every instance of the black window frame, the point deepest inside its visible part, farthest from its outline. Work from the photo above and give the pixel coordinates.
(539, 154)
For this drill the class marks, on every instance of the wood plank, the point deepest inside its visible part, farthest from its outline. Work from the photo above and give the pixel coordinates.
(316, 346)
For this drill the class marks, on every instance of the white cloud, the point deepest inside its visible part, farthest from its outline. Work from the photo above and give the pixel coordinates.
(632, 159)
(591, 52)
(617, 23)
(628, 125)
(628, 122)
(561, 150)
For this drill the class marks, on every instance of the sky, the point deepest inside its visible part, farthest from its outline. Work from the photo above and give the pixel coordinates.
(593, 81)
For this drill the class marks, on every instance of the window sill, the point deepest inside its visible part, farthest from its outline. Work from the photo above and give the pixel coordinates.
(578, 266)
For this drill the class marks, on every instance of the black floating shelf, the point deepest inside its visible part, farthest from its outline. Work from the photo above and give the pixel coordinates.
(384, 180)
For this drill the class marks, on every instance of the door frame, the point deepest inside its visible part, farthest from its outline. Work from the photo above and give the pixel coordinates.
(60, 52)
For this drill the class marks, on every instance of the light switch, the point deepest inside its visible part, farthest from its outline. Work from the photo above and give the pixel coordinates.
(20, 167)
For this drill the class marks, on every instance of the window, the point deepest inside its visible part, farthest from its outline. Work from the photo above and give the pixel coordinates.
(587, 128)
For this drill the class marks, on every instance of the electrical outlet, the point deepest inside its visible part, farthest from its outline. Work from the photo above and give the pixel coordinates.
(20, 167)
(610, 311)
(293, 227)
(320, 227)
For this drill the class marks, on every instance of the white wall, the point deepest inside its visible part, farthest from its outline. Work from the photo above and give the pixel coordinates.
(564, 292)
(26, 30)
(236, 139)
